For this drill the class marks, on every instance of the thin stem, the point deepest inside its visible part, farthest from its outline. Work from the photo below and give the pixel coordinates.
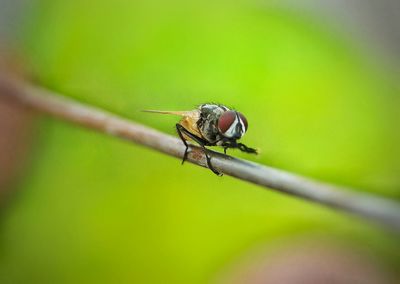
(380, 210)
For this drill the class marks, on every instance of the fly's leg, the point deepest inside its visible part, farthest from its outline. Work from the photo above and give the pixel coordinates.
(179, 129)
(224, 144)
(246, 149)
(233, 144)
(182, 130)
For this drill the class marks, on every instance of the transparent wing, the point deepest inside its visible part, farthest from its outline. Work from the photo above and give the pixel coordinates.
(180, 113)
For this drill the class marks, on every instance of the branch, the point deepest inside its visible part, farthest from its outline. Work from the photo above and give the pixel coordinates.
(381, 211)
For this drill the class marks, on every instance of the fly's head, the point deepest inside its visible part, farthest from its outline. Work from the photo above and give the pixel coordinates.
(232, 125)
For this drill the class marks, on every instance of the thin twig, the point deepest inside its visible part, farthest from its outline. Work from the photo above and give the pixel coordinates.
(382, 211)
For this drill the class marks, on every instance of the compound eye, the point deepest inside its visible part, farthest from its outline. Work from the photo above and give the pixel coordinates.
(226, 120)
(244, 121)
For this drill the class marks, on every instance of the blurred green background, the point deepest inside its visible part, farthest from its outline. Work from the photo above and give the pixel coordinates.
(94, 209)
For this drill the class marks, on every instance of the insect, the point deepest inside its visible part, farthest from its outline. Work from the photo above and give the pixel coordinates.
(211, 125)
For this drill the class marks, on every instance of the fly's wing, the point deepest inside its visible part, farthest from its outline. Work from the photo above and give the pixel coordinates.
(180, 113)
(189, 119)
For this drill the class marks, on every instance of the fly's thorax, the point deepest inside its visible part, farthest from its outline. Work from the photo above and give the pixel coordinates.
(208, 122)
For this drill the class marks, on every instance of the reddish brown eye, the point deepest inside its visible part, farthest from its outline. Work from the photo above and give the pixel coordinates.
(225, 121)
(244, 121)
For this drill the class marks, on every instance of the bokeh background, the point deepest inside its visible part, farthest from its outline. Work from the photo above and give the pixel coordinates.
(318, 82)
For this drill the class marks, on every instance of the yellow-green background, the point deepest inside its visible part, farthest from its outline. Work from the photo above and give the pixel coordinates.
(94, 209)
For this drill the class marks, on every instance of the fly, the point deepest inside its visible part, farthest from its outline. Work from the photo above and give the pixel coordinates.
(211, 125)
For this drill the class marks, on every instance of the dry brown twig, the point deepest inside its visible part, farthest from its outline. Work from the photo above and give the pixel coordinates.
(381, 211)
